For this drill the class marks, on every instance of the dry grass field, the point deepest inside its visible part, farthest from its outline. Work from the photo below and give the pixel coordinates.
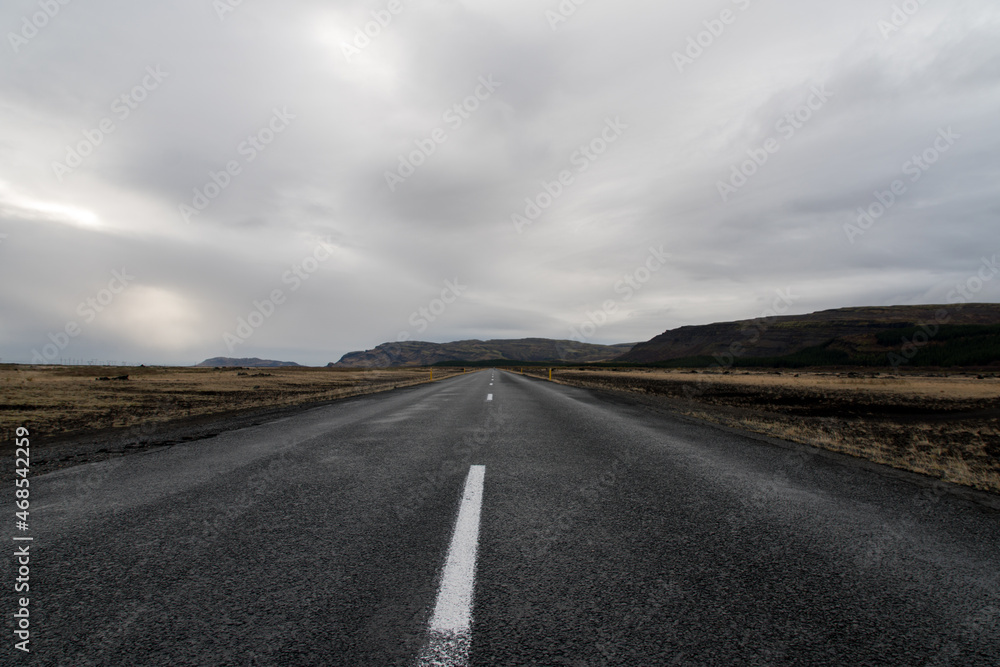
(943, 425)
(60, 401)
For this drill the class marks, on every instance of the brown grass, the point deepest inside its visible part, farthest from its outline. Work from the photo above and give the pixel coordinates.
(944, 426)
(67, 400)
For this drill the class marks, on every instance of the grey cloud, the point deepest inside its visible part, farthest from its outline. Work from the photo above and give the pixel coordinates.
(325, 175)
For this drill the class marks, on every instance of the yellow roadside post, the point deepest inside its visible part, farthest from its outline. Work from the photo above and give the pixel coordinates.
(550, 375)
(432, 375)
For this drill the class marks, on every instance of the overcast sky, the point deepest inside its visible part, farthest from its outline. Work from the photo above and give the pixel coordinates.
(212, 155)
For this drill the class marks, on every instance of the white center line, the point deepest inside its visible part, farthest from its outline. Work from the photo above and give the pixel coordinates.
(451, 624)
(489, 397)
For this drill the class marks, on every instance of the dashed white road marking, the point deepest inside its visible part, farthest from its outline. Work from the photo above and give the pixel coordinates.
(489, 397)
(451, 624)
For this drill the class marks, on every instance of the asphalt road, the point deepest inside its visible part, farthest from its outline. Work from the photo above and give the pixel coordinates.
(610, 533)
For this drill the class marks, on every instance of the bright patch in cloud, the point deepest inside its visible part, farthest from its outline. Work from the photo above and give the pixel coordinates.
(14, 204)
(155, 318)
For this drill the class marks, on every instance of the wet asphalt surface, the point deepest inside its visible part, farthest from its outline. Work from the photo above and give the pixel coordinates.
(612, 533)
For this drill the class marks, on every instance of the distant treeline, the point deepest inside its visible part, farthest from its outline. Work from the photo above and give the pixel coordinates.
(504, 363)
(941, 346)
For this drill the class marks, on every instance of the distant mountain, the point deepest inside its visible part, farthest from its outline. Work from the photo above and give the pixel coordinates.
(415, 353)
(253, 362)
(953, 335)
